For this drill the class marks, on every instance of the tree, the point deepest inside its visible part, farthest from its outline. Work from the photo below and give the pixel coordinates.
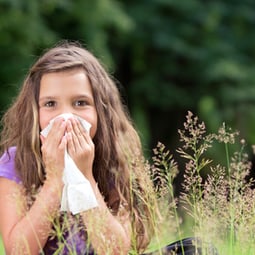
(169, 56)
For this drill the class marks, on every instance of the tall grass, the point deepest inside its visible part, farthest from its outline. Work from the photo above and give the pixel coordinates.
(217, 204)
(218, 199)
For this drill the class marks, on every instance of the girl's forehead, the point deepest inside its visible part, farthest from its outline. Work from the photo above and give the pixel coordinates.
(74, 81)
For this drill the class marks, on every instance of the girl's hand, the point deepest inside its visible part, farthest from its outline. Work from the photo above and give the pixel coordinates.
(53, 151)
(80, 147)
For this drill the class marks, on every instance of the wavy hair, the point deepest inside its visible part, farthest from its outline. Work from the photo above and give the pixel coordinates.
(118, 155)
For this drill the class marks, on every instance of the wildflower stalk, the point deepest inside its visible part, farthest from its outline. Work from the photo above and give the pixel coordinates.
(176, 215)
(227, 158)
(227, 137)
(170, 180)
(232, 208)
(196, 143)
(164, 170)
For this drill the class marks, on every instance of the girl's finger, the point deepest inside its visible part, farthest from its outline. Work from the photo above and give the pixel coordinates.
(82, 134)
(74, 132)
(57, 131)
(71, 146)
(63, 143)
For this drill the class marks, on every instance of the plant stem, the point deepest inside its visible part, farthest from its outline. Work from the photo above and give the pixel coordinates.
(232, 219)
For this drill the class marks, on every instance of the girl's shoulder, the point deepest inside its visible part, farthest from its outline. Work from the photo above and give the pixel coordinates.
(7, 165)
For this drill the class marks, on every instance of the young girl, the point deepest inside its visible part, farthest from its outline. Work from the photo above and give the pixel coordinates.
(69, 79)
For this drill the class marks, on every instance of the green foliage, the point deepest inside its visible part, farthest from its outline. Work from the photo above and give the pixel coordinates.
(170, 56)
(28, 27)
(23, 33)
(185, 51)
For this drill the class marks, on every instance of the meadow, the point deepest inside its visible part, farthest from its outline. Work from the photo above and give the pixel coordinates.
(217, 204)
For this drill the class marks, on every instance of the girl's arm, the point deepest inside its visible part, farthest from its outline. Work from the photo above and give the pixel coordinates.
(26, 232)
(108, 234)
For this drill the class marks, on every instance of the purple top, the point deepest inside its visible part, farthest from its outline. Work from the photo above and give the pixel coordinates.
(7, 166)
(72, 237)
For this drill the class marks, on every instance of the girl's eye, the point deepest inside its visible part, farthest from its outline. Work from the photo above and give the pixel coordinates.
(80, 103)
(50, 104)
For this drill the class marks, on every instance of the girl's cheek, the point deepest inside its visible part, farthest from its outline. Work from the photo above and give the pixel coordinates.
(93, 132)
(43, 124)
(45, 117)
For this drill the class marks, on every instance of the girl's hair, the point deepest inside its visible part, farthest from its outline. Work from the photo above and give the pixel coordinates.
(118, 155)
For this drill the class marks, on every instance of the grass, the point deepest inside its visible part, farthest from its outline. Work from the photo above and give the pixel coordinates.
(1, 247)
(218, 200)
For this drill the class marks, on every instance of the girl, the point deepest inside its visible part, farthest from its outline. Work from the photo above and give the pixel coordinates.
(69, 79)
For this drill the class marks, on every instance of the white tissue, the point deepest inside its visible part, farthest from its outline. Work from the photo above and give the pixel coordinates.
(66, 116)
(77, 195)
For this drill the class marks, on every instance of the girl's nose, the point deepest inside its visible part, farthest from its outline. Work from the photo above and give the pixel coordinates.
(66, 109)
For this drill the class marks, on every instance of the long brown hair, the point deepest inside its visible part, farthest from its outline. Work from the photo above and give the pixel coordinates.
(118, 155)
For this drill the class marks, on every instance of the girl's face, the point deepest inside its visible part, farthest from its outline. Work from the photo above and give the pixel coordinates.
(67, 92)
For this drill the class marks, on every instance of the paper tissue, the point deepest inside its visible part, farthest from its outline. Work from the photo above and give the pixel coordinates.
(77, 195)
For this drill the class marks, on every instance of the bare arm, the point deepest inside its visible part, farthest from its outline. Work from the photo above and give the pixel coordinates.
(25, 232)
(109, 234)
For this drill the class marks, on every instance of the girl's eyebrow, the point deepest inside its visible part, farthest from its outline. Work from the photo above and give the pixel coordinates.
(47, 98)
(85, 96)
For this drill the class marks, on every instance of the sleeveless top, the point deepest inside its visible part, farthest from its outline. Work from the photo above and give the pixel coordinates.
(68, 235)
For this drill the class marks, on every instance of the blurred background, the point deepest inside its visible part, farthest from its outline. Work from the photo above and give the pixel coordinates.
(168, 56)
